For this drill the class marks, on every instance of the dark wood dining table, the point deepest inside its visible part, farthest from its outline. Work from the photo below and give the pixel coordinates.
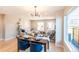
(42, 41)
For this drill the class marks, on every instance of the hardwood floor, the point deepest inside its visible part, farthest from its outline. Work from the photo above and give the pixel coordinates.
(11, 46)
(8, 46)
(54, 48)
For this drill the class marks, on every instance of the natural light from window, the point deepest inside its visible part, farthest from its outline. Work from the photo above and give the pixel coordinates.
(40, 26)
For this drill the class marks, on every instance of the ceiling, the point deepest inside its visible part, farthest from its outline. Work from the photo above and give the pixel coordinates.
(27, 10)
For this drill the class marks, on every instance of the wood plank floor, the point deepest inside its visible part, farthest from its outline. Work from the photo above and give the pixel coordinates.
(11, 46)
(8, 46)
(54, 48)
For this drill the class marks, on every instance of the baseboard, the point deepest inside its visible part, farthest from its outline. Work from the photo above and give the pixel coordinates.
(1, 39)
(10, 38)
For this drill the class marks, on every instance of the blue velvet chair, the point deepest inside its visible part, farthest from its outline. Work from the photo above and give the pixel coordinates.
(35, 47)
(23, 44)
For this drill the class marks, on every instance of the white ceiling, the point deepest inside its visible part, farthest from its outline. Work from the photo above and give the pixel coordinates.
(27, 10)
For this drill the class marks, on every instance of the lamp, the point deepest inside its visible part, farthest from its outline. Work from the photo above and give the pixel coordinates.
(35, 12)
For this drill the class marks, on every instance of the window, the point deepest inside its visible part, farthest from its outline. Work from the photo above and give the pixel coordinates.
(50, 26)
(73, 27)
(40, 26)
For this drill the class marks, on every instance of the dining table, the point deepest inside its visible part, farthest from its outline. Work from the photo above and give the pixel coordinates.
(39, 40)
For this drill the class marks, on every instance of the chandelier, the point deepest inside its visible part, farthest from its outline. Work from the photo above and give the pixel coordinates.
(35, 12)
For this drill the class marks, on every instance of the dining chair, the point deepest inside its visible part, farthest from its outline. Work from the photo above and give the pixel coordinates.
(23, 44)
(35, 47)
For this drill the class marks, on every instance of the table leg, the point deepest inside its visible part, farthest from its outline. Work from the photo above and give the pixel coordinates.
(48, 44)
(17, 46)
(44, 47)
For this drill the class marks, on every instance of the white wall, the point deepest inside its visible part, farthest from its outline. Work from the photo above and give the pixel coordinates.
(11, 25)
(58, 30)
(26, 23)
(1, 26)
